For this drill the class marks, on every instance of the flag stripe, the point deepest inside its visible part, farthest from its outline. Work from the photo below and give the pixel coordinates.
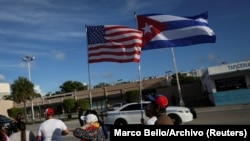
(113, 43)
(179, 42)
(127, 44)
(106, 53)
(110, 58)
(114, 50)
(168, 18)
(184, 33)
(183, 24)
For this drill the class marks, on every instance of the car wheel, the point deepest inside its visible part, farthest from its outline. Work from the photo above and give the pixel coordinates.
(120, 122)
(176, 119)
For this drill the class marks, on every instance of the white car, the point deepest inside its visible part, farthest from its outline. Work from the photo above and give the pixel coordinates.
(131, 113)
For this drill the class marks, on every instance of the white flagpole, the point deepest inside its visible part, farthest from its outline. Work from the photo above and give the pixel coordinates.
(140, 87)
(139, 74)
(177, 79)
(89, 87)
(90, 94)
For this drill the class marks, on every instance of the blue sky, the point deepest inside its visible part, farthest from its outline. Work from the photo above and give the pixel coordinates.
(54, 32)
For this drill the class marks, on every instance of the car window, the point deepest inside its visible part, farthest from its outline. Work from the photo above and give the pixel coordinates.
(134, 107)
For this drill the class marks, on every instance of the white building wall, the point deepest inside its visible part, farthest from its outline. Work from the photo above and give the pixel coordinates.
(221, 71)
(4, 89)
(226, 68)
(5, 105)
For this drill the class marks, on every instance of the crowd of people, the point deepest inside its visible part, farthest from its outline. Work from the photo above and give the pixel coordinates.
(91, 127)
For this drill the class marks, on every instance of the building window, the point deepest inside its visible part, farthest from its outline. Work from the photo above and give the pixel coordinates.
(230, 83)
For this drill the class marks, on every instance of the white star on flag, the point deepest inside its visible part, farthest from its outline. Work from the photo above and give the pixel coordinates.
(147, 28)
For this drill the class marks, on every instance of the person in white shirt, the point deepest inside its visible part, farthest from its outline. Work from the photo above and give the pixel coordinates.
(51, 129)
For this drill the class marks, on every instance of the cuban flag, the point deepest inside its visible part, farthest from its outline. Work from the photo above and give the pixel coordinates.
(163, 31)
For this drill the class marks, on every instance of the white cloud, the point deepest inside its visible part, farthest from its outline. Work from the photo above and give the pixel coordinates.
(2, 77)
(58, 55)
(37, 89)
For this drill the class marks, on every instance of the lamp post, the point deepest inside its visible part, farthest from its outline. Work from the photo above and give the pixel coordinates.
(168, 77)
(168, 73)
(28, 59)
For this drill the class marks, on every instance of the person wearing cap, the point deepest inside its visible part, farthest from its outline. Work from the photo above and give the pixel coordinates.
(51, 129)
(91, 130)
(160, 103)
(104, 128)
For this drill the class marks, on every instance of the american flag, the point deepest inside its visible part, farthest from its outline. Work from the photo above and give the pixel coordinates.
(113, 43)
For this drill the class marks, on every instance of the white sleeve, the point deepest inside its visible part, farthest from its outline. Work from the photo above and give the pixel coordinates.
(64, 127)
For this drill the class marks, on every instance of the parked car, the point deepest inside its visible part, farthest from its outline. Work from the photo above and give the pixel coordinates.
(117, 105)
(131, 113)
(8, 124)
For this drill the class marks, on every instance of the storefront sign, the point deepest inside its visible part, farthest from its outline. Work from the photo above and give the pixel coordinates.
(239, 66)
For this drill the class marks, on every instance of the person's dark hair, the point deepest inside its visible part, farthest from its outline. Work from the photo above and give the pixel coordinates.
(153, 111)
(157, 109)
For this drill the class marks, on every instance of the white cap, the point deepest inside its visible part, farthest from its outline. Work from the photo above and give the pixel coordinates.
(89, 118)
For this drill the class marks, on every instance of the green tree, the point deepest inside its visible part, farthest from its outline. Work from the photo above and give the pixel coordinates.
(71, 86)
(83, 104)
(132, 96)
(22, 90)
(69, 104)
(183, 79)
(101, 85)
(13, 112)
(7, 97)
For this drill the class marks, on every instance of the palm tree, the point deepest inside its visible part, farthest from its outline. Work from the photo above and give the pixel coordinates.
(22, 90)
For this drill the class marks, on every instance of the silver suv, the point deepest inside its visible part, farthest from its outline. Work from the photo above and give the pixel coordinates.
(131, 113)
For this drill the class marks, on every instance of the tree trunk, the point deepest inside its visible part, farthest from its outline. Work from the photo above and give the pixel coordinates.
(25, 111)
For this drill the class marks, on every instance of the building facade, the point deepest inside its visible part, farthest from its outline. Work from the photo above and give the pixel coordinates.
(225, 84)
(228, 84)
(4, 89)
(5, 104)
